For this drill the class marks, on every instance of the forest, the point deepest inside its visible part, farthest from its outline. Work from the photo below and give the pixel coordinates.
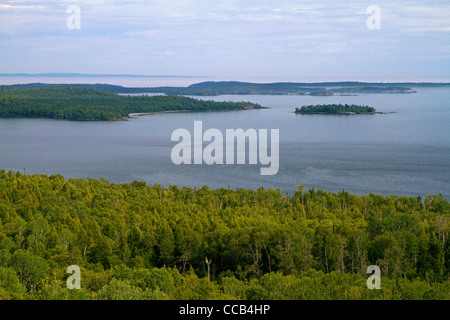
(334, 109)
(138, 241)
(78, 103)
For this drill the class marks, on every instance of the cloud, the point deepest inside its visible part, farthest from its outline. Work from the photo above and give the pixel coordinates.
(6, 7)
(214, 37)
(413, 16)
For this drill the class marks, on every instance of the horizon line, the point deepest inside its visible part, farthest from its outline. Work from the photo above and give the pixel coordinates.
(59, 74)
(92, 75)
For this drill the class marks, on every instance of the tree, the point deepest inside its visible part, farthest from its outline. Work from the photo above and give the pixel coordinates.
(30, 268)
(10, 286)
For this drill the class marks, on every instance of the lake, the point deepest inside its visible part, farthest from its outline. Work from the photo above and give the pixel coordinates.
(406, 152)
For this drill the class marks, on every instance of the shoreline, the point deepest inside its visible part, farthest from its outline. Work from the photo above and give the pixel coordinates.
(138, 114)
(134, 115)
(342, 113)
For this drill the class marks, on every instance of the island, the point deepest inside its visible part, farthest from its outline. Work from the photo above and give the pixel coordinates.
(81, 103)
(335, 109)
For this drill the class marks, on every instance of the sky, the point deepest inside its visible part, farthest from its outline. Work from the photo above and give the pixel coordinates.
(258, 40)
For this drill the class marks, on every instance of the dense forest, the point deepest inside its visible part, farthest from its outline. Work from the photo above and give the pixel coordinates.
(78, 103)
(138, 241)
(335, 109)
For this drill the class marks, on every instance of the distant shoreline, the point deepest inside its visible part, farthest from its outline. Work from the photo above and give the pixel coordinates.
(213, 88)
(138, 114)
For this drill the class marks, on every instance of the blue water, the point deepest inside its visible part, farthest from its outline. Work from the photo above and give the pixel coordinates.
(406, 152)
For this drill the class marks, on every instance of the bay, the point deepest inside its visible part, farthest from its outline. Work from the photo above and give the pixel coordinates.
(406, 152)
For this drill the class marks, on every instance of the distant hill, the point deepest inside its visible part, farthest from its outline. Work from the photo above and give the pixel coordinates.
(213, 88)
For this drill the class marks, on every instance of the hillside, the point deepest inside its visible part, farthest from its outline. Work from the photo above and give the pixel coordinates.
(134, 241)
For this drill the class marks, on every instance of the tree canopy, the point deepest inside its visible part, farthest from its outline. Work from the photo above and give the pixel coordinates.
(335, 109)
(139, 241)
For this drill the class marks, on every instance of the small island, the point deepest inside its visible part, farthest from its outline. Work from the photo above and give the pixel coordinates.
(335, 109)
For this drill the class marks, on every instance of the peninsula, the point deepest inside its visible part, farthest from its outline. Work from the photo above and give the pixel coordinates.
(81, 103)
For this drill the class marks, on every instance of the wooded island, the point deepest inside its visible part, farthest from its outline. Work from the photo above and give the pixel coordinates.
(334, 109)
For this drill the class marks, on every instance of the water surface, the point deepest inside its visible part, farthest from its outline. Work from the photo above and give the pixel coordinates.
(404, 153)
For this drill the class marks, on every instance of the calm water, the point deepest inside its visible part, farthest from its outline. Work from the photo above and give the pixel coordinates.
(403, 153)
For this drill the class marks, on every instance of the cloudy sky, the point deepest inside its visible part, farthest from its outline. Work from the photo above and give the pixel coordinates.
(282, 40)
